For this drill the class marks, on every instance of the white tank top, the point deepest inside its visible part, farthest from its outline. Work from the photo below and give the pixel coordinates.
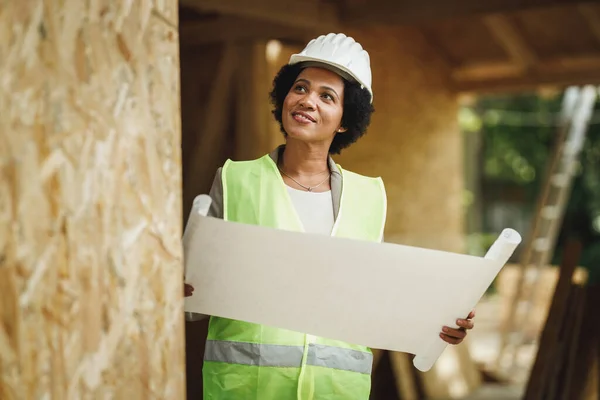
(314, 209)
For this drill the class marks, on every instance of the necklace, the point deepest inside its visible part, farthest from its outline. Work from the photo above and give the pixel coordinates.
(308, 188)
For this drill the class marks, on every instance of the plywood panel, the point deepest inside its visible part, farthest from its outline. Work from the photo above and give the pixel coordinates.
(90, 201)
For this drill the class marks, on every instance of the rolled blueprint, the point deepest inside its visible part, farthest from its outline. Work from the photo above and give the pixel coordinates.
(200, 207)
(354, 291)
(501, 251)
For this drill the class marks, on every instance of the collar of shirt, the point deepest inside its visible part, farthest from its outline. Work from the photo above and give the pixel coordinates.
(335, 181)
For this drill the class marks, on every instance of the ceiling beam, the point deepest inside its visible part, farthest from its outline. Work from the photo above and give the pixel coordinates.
(232, 29)
(591, 15)
(511, 40)
(408, 12)
(570, 63)
(308, 14)
(553, 72)
(488, 70)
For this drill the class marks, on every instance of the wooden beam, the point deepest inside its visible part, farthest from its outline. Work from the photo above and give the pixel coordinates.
(591, 14)
(409, 12)
(504, 69)
(507, 77)
(511, 40)
(570, 63)
(407, 382)
(308, 14)
(528, 82)
(232, 28)
(203, 160)
(486, 71)
(253, 111)
(546, 354)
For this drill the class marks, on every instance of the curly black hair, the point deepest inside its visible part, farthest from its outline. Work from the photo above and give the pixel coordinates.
(357, 106)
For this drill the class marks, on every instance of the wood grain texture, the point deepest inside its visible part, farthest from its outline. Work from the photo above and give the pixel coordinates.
(90, 200)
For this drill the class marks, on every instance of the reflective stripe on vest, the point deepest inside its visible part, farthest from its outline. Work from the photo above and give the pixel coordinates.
(273, 355)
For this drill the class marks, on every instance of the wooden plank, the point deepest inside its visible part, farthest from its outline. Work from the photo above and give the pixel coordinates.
(487, 71)
(503, 76)
(585, 354)
(232, 28)
(405, 376)
(511, 40)
(203, 160)
(252, 108)
(569, 63)
(556, 317)
(409, 12)
(312, 14)
(377, 355)
(528, 82)
(574, 341)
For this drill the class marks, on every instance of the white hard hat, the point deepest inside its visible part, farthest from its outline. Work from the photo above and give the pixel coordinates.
(346, 57)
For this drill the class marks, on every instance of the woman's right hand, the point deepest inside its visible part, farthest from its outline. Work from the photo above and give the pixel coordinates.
(188, 289)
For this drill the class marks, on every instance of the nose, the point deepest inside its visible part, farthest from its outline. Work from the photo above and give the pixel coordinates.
(308, 101)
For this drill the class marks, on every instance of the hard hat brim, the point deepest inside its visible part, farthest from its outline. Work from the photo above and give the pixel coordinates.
(333, 67)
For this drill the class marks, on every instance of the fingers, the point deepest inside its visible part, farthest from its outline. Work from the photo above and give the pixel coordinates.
(454, 333)
(456, 336)
(465, 323)
(188, 290)
(449, 339)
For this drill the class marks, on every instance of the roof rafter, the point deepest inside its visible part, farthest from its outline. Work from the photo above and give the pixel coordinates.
(510, 39)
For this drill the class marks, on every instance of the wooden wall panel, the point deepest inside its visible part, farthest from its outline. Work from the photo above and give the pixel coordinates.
(90, 201)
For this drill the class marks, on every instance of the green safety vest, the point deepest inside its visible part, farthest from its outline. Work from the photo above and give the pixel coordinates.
(251, 361)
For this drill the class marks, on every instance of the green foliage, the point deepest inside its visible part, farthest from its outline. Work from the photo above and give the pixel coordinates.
(518, 133)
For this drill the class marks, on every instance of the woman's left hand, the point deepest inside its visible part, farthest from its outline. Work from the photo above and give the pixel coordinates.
(456, 336)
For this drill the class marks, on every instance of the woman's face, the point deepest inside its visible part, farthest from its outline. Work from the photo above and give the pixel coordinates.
(313, 108)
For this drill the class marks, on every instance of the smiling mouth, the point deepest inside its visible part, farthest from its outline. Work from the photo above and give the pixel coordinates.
(302, 117)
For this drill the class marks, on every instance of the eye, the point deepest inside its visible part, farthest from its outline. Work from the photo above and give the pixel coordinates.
(327, 96)
(300, 88)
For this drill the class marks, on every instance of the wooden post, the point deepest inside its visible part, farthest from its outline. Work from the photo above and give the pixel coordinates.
(556, 317)
(205, 157)
(90, 201)
(584, 372)
(252, 102)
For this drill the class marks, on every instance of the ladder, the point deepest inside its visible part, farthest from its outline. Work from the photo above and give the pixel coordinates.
(577, 107)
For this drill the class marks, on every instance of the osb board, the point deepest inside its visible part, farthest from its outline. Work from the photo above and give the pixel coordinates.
(90, 220)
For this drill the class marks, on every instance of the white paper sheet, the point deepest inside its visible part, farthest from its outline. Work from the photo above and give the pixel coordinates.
(384, 296)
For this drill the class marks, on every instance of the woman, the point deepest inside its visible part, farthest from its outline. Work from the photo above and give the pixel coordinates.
(323, 102)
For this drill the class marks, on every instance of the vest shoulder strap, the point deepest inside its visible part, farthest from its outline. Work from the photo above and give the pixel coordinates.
(366, 199)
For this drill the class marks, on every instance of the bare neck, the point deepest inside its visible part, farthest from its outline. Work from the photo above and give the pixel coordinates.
(302, 159)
